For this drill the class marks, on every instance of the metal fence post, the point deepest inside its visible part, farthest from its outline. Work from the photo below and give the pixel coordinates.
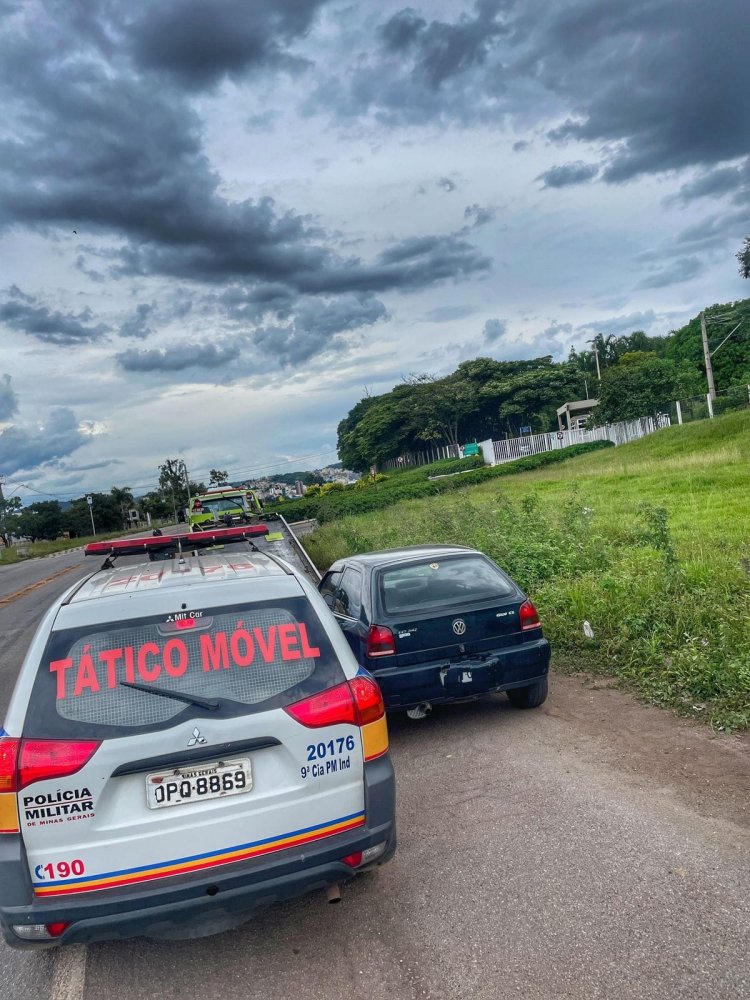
(679, 412)
(710, 405)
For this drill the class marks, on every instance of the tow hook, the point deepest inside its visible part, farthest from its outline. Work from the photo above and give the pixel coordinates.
(419, 711)
(333, 893)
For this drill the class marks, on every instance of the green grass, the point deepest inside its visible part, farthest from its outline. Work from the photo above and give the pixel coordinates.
(649, 543)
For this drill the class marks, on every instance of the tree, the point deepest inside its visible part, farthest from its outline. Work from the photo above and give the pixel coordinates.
(123, 497)
(731, 364)
(172, 484)
(218, 478)
(643, 386)
(40, 520)
(9, 507)
(76, 519)
(743, 256)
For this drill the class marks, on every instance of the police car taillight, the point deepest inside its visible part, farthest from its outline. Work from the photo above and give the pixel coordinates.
(380, 641)
(41, 760)
(8, 764)
(529, 617)
(40, 932)
(357, 702)
(8, 785)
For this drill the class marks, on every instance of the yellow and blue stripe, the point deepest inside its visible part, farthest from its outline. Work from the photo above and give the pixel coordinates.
(199, 862)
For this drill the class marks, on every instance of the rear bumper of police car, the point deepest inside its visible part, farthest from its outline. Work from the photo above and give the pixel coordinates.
(197, 905)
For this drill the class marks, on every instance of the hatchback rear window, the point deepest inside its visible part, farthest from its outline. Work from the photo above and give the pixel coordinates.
(441, 583)
(249, 658)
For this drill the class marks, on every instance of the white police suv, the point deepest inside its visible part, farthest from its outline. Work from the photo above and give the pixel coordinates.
(190, 738)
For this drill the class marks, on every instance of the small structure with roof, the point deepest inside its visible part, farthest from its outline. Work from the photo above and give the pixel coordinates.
(574, 416)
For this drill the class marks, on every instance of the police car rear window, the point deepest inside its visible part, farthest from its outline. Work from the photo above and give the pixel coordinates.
(432, 585)
(249, 658)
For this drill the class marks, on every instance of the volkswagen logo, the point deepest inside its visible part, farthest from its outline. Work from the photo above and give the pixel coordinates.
(459, 626)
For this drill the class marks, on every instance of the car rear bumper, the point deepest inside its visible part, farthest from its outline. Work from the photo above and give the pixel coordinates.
(190, 906)
(453, 680)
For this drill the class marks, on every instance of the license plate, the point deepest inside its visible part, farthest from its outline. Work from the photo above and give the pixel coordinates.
(212, 780)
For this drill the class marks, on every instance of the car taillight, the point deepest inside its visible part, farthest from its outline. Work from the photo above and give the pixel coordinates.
(357, 702)
(353, 860)
(8, 764)
(368, 699)
(325, 709)
(57, 928)
(529, 617)
(380, 641)
(39, 760)
(8, 784)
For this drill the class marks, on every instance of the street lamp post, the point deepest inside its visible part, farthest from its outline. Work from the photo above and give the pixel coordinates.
(187, 483)
(90, 502)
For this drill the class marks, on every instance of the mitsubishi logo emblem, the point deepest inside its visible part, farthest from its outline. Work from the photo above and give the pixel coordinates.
(196, 738)
(459, 626)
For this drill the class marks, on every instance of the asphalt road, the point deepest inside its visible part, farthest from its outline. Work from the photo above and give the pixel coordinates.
(535, 860)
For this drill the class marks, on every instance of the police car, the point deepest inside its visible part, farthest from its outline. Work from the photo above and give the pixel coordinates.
(189, 739)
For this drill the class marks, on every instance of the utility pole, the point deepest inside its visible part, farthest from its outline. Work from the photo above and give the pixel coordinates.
(595, 349)
(707, 359)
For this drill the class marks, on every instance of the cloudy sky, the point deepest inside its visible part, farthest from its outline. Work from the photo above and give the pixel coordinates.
(223, 221)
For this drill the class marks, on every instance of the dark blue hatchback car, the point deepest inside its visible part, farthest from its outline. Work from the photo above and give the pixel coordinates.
(439, 623)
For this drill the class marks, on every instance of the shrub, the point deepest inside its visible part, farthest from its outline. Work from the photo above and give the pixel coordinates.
(415, 484)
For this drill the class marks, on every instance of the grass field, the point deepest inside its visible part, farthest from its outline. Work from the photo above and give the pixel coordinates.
(649, 543)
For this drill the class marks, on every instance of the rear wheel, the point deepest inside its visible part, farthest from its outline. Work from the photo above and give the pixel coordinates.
(529, 697)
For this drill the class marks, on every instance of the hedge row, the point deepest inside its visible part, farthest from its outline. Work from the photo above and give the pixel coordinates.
(414, 484)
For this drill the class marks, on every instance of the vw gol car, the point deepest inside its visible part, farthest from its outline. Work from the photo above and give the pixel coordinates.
(188, 740)
(439, 623)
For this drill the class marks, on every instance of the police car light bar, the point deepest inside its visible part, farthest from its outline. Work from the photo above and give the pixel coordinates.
(161, 543)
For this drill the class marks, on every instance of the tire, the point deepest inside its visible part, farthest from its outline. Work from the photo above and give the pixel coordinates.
(529, 697)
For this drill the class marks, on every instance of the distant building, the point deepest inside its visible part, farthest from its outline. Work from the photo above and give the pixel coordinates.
(574, 416)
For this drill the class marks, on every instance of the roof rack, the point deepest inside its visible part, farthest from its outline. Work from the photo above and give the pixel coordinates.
(153, 544)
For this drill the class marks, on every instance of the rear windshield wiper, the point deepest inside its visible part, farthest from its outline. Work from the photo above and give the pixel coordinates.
(191, 699)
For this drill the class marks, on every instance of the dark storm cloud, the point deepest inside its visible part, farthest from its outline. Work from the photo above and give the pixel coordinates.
(655, 84)
(441, 50)
(316, 325)
(8, 398)
(567, 174)
(199, 43)
(664, 80)
(178, 357)
(447, 184)
(101, 148)
(136, 325)
(682, 269)
(418, 262)
(24, 449)
(21, 313)
(714, 183)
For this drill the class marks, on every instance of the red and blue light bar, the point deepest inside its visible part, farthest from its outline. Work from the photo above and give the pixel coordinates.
(160, 543)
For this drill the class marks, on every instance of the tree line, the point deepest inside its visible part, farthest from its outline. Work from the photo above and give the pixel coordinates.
(488, 398)
(49, 519)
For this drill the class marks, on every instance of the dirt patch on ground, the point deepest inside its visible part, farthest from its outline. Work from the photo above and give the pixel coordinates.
(706, 771)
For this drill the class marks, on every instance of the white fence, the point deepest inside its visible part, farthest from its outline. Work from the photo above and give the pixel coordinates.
(497, 452)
